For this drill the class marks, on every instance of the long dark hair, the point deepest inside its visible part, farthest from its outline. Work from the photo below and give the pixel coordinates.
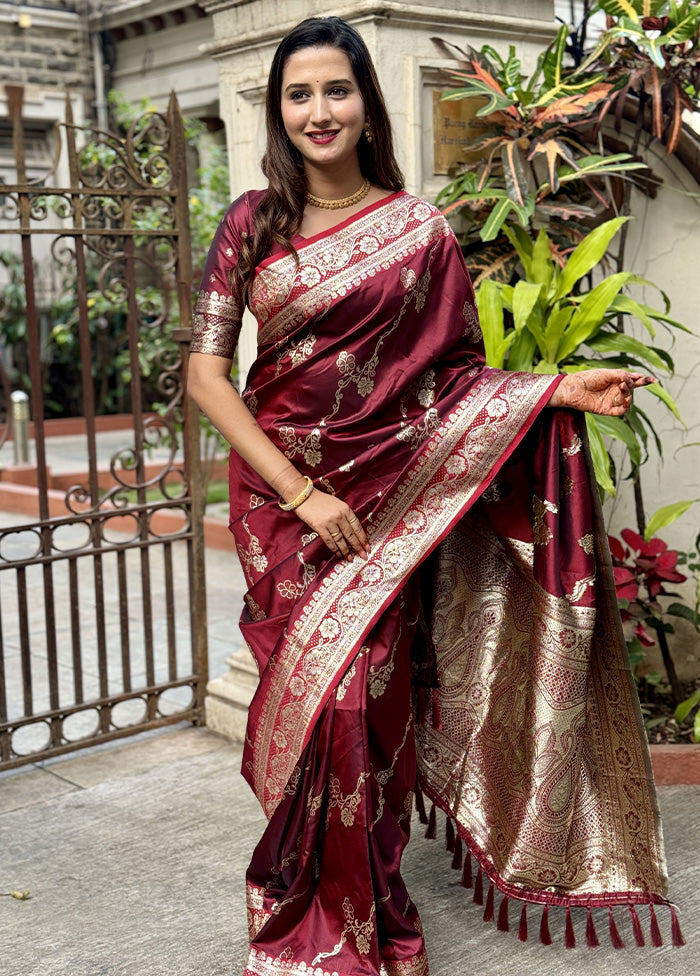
(279, 214)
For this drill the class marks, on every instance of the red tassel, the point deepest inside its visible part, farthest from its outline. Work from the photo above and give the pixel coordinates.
(545, 937)
(432, 823)
(479, 887)
(420, 805)
(522, 930)
(591, 934)
(637, 927)
(615, 936)
(503, 925)
(437, 717)
(449, 835)
(676, 934)
(488, 911)
(467, 878)
(570, 937)
(457, 856)
(656, 939)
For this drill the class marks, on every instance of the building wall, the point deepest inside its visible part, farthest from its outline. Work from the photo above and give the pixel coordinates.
(408, 62)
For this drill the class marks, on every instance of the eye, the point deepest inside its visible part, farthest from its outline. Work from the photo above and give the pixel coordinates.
(338, 92)
(297, 96)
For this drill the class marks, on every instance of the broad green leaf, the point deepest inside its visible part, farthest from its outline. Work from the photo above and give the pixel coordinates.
(616, 427)
(681, 610)
(590, 314)
(555, 325)
(525, 295)
(542, 263)
(619, 8)
(522, 352)
(495, 219)
(619, 342)
(546, 367)
(595, 165)
(496, 101)
(657, 390)
(600, 457)
(625, 305)
(665, 516)
(490, 306)
(522, 242)
(588, 254)
(685, 708)
(514, 171)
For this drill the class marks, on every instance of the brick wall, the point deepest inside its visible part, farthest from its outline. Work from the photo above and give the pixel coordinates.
(46, 44)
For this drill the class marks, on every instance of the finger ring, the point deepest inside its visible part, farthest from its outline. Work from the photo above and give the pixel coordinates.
(354, 519)
(334, 535)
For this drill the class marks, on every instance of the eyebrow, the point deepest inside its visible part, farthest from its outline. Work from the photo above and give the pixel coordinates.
(301, 84)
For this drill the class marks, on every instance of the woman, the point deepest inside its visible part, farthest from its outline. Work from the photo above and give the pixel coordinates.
(428, 578)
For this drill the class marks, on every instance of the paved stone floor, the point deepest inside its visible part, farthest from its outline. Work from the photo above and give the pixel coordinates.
(135, 857)
(135, 854)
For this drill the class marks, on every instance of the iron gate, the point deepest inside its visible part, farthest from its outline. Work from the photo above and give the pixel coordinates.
(102, 612)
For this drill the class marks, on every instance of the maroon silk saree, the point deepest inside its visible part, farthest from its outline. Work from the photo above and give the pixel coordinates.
(478, 649)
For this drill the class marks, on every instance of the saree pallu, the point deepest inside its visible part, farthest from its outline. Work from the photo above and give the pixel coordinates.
(479, 645)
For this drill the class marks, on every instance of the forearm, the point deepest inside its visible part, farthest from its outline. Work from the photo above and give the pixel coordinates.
(224, 407)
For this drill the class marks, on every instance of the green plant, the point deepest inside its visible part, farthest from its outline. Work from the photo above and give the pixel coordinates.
(539, 162)
(652, 45)
(549, 322)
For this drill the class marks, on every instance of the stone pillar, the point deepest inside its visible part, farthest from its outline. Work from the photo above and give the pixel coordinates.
(399, 37)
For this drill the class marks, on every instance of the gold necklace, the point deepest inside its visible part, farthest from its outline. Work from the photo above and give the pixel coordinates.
(342, 203)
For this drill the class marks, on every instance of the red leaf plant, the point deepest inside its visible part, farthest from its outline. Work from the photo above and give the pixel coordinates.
(641, 569)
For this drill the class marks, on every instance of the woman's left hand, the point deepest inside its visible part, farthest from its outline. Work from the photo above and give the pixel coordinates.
(604, 391)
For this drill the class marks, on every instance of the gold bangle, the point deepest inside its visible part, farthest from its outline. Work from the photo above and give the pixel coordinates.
(300, 499)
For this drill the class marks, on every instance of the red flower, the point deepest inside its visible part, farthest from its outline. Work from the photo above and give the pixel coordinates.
(644, 636)
(649, 564)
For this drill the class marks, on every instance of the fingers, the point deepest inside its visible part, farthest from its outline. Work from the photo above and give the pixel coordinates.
(628, 383)
(347, 538)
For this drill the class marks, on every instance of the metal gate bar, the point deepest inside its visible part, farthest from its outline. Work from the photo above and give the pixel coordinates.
(120, 636)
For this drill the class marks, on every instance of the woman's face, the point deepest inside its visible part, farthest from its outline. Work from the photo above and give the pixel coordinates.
(322, 108)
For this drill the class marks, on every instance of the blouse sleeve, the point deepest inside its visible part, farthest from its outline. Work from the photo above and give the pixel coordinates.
(216, 320)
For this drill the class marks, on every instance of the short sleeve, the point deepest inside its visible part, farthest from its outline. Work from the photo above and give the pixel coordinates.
(216, 320)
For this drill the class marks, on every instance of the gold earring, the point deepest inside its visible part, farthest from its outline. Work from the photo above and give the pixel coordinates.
(368, 132)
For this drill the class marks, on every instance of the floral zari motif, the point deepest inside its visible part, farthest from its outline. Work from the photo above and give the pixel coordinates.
(370, 376)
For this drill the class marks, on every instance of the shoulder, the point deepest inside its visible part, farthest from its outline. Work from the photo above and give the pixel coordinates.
(238, 219)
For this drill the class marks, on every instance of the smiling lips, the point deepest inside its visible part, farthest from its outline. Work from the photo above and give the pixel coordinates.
(324, 137)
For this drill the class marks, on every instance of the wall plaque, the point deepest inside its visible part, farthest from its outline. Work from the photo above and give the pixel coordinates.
(455, 127)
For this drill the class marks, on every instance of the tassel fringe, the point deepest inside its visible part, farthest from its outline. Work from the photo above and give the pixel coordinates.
(457, 856)
(591, 934)
(676, 934)
(545, 937)
(570, 936)
(432, 822)
(615, 936)
(488, 911)
(479, 887)
(522, 928)
(503, 925)
(637, 927)
(454, 844)
(467, 878)
(420, 805)
(656, 939)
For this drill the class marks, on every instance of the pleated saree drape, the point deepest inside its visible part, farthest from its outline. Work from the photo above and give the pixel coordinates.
(477, 649)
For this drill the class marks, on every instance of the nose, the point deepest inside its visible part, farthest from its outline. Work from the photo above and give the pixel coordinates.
(320, 114)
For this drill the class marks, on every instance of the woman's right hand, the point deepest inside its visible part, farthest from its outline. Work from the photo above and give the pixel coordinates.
(336, 524)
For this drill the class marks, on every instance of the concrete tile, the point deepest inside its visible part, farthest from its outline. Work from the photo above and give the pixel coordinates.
(107, 764)
(25, 787)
